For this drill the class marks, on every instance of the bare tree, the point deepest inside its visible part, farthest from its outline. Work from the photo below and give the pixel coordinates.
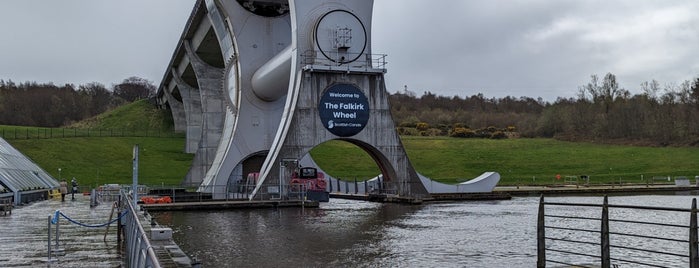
(134, 88)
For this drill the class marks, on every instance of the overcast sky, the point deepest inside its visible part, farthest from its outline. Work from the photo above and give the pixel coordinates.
(518, 48)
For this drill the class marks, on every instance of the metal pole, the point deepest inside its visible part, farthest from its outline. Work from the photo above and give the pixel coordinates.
(356, 187)
(606, 258)
(541, 236)
(134, 185)
(49, 243)
(693, 240)
(58, 223)
(119, 227)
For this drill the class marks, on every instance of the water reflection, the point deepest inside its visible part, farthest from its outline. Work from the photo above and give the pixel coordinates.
(362, 234)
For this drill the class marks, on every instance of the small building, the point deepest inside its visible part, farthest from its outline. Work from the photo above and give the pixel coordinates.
(21, 179)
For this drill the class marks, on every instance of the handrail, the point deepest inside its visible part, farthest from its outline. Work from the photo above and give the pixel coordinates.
(605, 257)
(139, 252)
(311, 59)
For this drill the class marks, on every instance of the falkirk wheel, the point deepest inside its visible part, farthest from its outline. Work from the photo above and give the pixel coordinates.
(257, 84)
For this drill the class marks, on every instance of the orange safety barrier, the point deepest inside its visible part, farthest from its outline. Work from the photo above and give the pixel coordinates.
(159, 200)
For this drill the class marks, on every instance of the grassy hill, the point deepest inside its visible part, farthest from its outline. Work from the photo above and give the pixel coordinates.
(137, 115)
(106, 158)
(99, 160)
(99, 150)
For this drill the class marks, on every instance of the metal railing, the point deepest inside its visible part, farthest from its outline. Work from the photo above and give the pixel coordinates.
(229, 192)
(312, 59)
(139, 252)
(570, 234)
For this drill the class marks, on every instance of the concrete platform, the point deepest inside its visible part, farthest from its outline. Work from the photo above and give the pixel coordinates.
(225, 205)
(24, 235)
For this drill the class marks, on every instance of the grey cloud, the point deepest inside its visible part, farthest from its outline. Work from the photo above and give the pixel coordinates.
(518, 48)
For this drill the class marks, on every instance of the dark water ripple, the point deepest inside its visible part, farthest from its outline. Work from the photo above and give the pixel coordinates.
(346, 233)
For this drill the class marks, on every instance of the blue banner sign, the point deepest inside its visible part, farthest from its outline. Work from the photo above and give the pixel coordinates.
(343, 109)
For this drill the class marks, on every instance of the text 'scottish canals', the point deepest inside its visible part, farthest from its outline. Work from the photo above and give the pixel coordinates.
(343, 109)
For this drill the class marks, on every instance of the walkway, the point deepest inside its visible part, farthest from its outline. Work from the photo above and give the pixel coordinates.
(23, 235)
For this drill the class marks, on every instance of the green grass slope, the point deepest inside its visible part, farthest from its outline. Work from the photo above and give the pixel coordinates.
(99, 150)
(136, 115)
(98, 160)
(526, 161)
(95, 159)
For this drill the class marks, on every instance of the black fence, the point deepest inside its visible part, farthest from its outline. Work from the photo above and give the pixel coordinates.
(24, 133)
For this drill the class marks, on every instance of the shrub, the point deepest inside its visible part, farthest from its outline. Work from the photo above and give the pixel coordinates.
(408, 131)
(434, 132)
(498, 135)
(422, 126)
(460, 125)
(461, 132)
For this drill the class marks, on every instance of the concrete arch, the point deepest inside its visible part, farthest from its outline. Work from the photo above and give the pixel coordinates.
(380, 159)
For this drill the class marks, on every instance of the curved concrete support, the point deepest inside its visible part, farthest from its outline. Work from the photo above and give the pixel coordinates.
(191, 101)
(178, 113)
(210, 81)
(221, 28)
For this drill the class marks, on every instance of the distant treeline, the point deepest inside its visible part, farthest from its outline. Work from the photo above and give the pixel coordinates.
(602, 112)
(48, 105)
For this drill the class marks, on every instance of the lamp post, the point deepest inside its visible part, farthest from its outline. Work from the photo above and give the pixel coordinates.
(59, 174)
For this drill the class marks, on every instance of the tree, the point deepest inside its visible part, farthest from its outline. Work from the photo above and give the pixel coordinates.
(98, 97)
(695, 92)
(134, 88)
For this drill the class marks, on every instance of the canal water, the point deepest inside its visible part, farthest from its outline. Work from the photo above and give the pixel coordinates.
(347, 233)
